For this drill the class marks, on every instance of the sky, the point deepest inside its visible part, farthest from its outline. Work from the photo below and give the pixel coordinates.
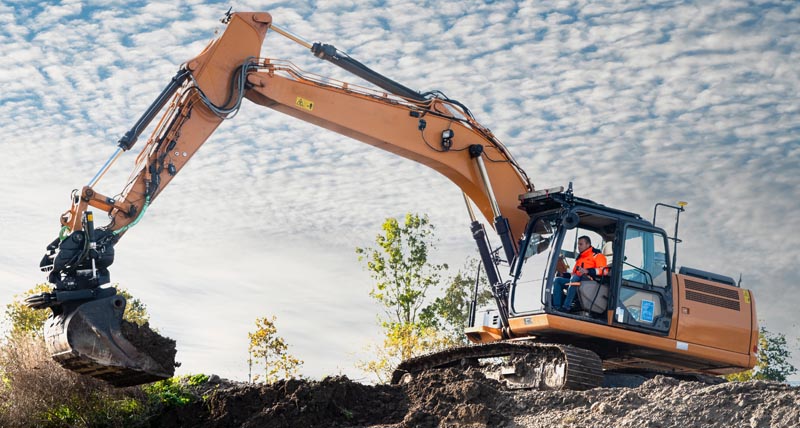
(633, 102)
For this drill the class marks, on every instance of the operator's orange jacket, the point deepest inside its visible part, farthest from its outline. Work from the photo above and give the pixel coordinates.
(592, 260)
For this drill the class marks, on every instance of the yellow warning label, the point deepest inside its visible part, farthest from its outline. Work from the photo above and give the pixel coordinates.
(304, 103)
(746, 296)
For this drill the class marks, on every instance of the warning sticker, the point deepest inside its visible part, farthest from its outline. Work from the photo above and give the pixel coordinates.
(304, 103)
(648, 309)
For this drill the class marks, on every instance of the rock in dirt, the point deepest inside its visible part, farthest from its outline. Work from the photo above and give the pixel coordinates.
(466, 398)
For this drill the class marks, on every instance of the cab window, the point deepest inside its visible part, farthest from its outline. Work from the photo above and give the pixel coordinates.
(645, 258)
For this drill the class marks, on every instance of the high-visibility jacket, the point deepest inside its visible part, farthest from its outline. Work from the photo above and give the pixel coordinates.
(593, 261)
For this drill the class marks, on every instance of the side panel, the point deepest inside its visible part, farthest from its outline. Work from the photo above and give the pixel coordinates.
(714, 315)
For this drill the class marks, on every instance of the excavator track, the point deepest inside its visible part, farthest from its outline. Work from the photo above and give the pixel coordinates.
(531, 365)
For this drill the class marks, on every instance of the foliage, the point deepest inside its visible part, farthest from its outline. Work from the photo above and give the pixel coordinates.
(270, 350)
(400, 267)
(449, 313)
(773, 359)
(61, 415)
(24, 320)
(403, 273)
(402, 341)
(135, 309)
(36, 391)
(175, 391)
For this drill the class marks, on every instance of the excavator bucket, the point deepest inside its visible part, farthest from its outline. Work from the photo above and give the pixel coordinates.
(92, 339)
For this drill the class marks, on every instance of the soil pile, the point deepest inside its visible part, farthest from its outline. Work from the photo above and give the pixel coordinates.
(452, 398)
(665, 402)
(332, 402)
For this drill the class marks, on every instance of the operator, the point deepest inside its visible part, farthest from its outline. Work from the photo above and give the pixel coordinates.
(589, 266)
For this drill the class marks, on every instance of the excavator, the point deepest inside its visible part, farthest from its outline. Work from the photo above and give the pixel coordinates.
(640, 316)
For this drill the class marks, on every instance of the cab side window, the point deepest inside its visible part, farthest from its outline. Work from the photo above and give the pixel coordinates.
(645, 258)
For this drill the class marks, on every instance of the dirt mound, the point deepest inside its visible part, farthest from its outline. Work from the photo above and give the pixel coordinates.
(666, 402)
(455, 398)
(332, 402)
(452, 398)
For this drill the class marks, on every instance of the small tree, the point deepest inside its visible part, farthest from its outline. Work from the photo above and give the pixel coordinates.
(449, 313)
(402, 341)
(403, 275)
(271, 350)
(400, 267)
(135, 309)
(773, 359)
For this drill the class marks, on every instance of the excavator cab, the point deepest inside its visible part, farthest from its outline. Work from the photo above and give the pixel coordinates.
(634, 290)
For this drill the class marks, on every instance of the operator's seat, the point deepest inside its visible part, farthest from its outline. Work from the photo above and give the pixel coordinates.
(593, 295)
(608, 251)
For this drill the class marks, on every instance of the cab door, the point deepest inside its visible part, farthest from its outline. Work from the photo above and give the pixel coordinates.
(642, 280)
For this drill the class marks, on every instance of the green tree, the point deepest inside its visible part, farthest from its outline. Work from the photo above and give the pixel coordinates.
(135, 309)
(24, 320)
(773, 359)
(269, 349)
(449, 313)
(403, 273)
(401, 267)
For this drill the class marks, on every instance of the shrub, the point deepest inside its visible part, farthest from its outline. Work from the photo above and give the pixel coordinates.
(37, 392)
(175, 391)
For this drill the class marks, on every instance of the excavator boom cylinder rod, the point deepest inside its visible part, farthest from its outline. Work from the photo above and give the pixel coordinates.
(105, 167)
(334, 56)
(293, 37)
(500, 223)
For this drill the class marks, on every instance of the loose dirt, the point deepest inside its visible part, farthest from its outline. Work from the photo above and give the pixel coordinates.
(161, 349)
(452, 398)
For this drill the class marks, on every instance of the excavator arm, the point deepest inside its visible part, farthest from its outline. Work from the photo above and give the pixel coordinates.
(84, 332)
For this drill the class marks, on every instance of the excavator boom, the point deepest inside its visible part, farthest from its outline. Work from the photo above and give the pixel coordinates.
(87, 333)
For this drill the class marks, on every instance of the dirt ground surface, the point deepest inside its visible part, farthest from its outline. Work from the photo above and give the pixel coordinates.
(452, 398)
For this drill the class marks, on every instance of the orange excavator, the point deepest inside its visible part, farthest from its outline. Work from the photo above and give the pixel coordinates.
(638, 316)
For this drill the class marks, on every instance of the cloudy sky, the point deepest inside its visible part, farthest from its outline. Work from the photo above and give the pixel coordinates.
(636, 103)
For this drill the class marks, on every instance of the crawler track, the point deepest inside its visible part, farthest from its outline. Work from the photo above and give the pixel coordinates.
(533, 365)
